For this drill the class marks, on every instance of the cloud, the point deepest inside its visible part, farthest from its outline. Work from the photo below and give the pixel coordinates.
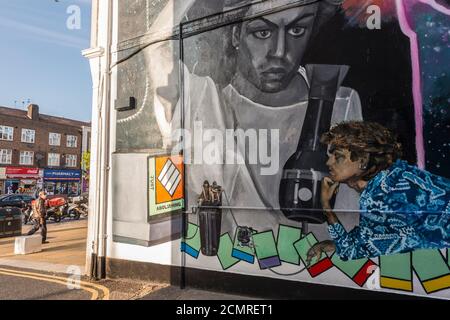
(45, 34)
(84, 1)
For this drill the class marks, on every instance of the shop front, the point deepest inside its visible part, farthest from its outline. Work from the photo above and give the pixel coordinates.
(62, 182)
(21, 179)
(2, 179)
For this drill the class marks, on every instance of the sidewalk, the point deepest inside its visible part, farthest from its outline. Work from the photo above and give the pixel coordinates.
(66, 247)
(27, 276)
(175, 293)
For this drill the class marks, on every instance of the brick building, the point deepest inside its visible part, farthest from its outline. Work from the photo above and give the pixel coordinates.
(39, 151)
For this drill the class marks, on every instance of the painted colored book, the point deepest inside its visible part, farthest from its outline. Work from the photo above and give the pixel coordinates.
(358, 270)
(287, 236)
(225, 252)
(396, 272)
(316, 267)
(266, 250)
(192, 245)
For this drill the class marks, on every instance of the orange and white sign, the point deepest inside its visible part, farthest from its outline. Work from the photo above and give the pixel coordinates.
(166, 178)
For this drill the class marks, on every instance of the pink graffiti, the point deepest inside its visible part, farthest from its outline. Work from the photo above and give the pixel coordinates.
(403, 13)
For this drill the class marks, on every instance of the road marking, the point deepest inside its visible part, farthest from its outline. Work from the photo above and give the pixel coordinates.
(87, 286)
(64, 283)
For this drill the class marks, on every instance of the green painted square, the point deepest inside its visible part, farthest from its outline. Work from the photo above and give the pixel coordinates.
(265, 245)
(287, 236)
(193, 237)
(303, 245)
(224, 253)
(429, 264)
(448, 257)
(349, 267)
(396, 266)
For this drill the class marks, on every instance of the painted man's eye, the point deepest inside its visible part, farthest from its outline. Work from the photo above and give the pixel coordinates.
(263, 34)
(296, 31)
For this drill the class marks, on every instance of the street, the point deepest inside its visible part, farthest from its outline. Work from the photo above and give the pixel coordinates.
(17, 286)
(57, 273)
(66, 247)
(35, 276)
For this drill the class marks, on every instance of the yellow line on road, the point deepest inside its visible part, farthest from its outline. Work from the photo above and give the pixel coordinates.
(87, 286)
(64, 283)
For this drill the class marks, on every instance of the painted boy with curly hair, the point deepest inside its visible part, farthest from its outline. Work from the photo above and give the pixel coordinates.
(402, 208)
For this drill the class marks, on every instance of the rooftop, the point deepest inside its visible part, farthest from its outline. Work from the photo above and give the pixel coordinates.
(13, 112)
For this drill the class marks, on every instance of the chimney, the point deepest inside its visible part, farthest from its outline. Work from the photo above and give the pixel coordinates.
(33, 112)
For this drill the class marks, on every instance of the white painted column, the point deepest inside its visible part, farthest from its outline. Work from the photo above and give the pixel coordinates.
(99, 63)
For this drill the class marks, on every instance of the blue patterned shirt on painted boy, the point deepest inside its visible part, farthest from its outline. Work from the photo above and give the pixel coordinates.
(402, 209)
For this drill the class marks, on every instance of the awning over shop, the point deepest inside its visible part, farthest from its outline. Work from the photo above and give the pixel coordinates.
(62, 175)
(22, 173)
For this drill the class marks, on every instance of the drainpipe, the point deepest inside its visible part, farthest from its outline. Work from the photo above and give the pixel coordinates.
(98, 258)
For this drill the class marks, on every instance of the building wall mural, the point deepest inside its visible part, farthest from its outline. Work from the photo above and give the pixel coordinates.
(314, 135)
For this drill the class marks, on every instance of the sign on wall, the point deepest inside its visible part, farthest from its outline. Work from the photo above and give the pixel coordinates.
(62, 174)
(165, 185)
(13, 172)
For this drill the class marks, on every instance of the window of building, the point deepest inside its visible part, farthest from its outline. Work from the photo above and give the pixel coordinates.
(53, 159)
(72, 141)
(26, 157)
(71, 160)
(6, 133)
(54, 139)
(5, 156)
(28, 135)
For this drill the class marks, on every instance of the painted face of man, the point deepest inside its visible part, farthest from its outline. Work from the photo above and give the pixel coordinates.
(342, 168)
(271, 47)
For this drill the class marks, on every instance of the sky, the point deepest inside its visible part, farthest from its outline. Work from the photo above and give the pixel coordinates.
(41, 57)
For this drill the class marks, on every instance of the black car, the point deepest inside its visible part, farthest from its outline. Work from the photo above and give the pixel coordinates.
(15, 200)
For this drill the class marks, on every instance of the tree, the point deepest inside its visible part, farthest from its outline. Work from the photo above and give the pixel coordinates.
(86, 166)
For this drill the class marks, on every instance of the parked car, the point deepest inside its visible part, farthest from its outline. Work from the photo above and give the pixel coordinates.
(15, 200)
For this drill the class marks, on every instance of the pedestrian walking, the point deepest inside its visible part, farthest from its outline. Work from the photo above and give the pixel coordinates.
(39, 216)
(36, 193)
